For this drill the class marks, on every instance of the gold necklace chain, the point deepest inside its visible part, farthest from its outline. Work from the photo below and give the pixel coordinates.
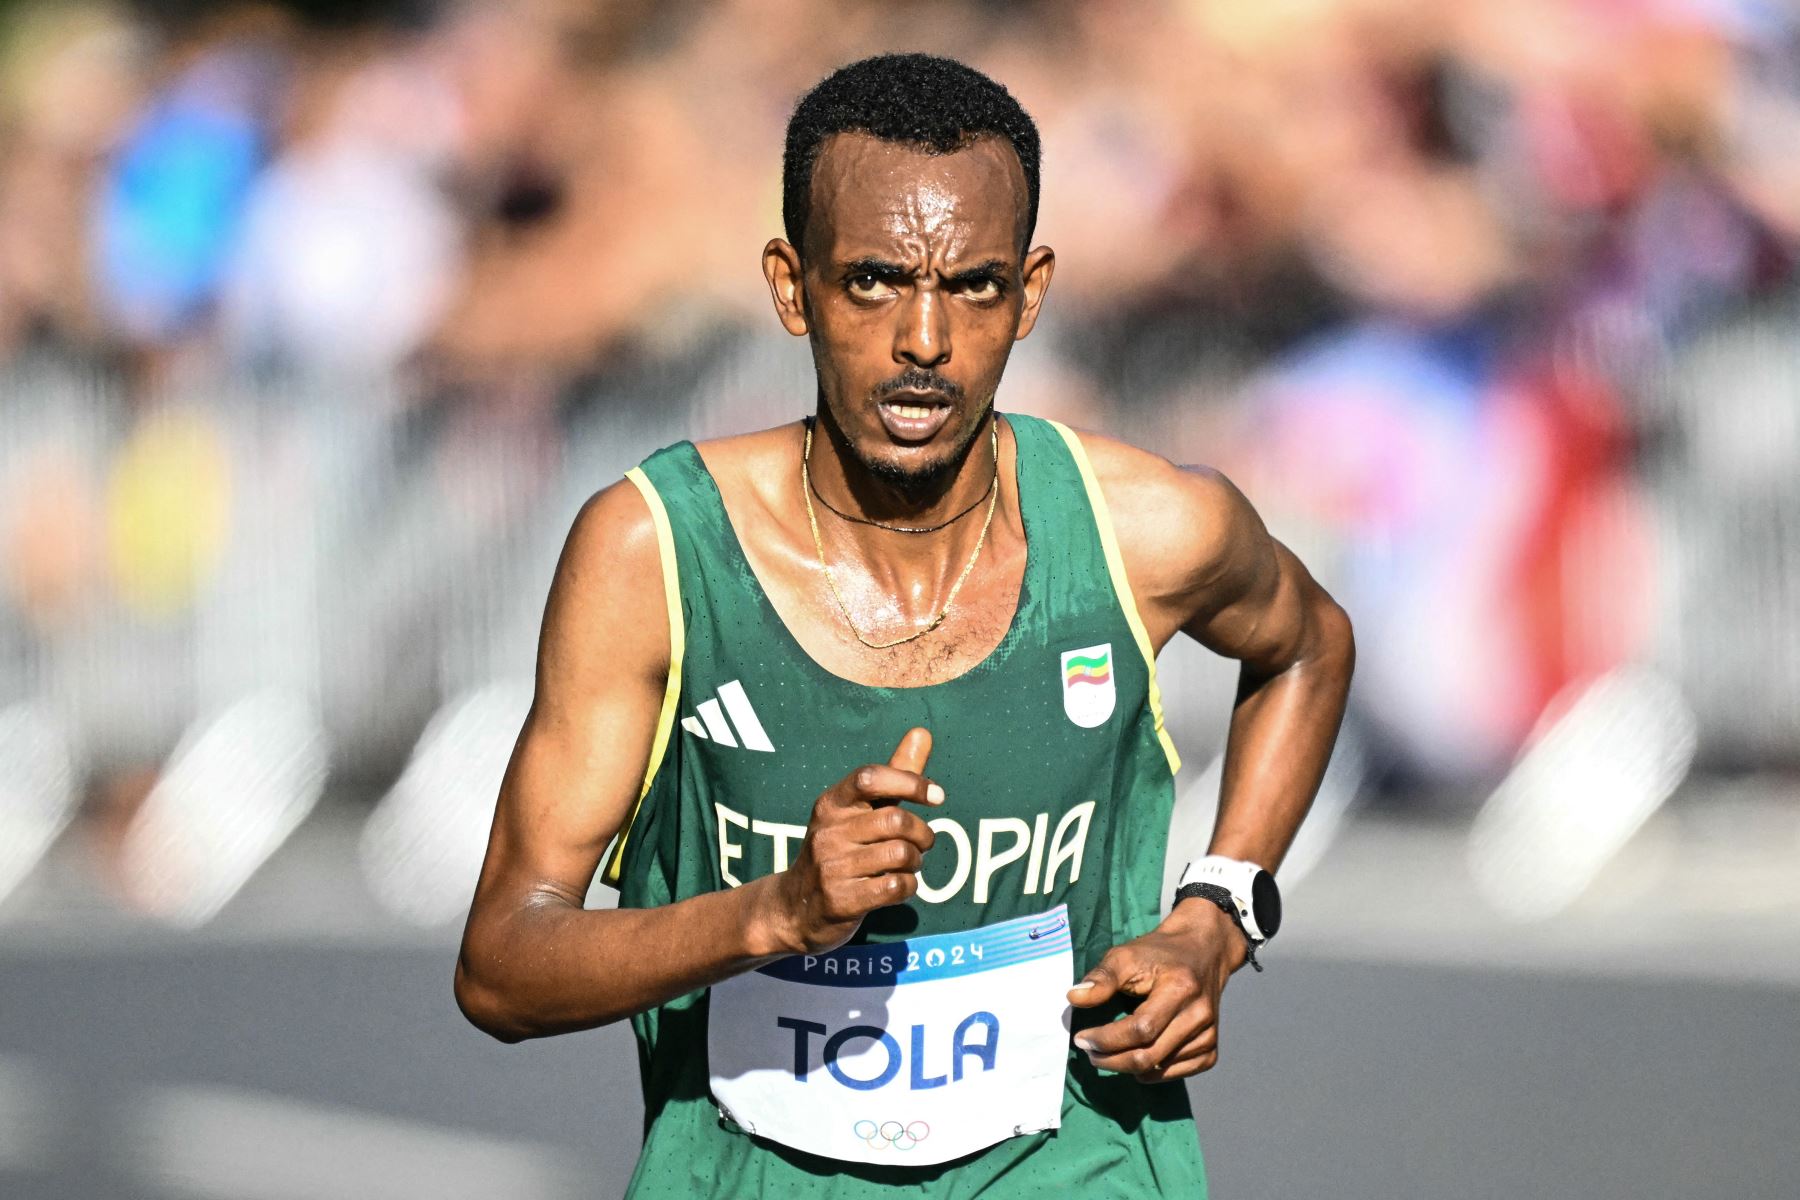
(831, 579)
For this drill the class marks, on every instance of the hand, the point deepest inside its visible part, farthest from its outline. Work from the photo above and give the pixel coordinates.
(1180, 970)
(862, 851)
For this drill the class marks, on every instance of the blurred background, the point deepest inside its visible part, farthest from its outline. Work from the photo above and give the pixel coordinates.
(319, 320)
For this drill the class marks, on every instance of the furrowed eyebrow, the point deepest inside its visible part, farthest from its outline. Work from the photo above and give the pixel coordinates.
(993, 268)
(881, 268)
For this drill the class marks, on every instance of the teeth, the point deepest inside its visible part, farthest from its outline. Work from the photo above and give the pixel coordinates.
(912, 412)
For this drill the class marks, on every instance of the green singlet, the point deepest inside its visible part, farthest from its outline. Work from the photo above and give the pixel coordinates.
(1055, 740)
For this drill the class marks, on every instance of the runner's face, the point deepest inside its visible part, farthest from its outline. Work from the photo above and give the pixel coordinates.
(914, 289)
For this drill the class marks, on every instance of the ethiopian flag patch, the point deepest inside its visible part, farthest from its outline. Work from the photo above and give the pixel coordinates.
(1087, 685)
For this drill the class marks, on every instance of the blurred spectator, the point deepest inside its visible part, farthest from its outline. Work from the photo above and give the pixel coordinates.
(170, 204)
(68, 81)
(349, 247)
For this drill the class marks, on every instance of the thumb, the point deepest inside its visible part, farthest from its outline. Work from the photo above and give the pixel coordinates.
(1096, 987)
(913, 750)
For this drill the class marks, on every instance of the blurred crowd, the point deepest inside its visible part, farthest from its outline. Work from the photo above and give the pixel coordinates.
(317, 321)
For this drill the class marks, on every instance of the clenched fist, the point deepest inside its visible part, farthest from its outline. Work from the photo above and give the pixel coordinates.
(862, 851)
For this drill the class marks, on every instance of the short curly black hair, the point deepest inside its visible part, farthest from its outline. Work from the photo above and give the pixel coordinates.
(936, 104)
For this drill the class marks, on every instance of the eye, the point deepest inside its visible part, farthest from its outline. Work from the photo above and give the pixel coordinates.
(985, 287)
(866, 285)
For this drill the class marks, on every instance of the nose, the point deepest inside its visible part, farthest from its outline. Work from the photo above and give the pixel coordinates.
(923, 336)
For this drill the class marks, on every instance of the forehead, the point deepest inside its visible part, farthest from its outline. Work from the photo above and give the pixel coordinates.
(868, 192)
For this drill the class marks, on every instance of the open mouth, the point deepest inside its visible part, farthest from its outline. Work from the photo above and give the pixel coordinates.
(913, 418)
(914, 412)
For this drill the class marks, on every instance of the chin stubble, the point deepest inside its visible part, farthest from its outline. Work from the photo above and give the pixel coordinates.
(925, 482)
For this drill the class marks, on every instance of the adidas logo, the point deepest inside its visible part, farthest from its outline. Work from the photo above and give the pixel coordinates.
(711, 725)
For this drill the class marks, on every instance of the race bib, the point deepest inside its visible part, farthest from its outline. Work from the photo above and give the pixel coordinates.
(912, 1052)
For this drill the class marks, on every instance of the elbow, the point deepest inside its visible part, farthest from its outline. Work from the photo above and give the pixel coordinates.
(487, 1008)
(1343, 635)
(512, 983)
(1333, 639)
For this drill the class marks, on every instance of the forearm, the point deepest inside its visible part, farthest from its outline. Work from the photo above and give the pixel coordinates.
(548, 966)
(1283, 727)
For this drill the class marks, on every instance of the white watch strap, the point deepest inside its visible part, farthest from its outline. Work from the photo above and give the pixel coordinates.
(1236, 877)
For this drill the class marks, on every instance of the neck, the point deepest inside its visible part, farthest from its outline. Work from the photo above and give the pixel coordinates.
(905, 584)
(857, 490)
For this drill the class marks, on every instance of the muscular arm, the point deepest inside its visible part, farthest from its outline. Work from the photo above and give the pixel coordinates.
(1200, 561)
(534, 961)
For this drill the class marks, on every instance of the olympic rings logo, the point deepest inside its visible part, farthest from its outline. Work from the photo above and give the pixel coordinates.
(891, 1134)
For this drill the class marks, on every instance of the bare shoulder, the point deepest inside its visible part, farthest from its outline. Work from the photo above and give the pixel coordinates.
(1178, 526)
(614, 529)
(607, 603)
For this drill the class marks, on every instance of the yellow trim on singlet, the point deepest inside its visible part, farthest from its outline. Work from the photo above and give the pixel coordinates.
(665, 721)
(1115, 566)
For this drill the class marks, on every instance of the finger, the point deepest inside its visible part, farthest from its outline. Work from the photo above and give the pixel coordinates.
(1113, 1045)
(1194, 1024)
(1096, 988)
(878, 859)
(850, 899)
(1193, 1028)
(913, 750)
(1187, 1062)
(1193, 1033)
(873, 784)
(1116, 972)
(879, 891)
(886, 825)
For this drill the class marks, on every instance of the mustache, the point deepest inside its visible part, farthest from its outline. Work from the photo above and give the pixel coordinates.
(918, 379)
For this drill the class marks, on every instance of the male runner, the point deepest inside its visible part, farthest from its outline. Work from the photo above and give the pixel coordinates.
(849, 976)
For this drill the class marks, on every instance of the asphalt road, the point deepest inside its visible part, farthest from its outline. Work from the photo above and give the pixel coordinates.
(300, 1072)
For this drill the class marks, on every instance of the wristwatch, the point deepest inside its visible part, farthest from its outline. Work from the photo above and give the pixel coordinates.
(1244, 890)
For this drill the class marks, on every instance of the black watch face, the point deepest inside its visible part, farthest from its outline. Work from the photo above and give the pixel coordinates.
(1265, 903)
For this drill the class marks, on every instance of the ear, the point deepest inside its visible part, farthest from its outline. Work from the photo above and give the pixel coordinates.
(1040, 265)
(781, 267)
